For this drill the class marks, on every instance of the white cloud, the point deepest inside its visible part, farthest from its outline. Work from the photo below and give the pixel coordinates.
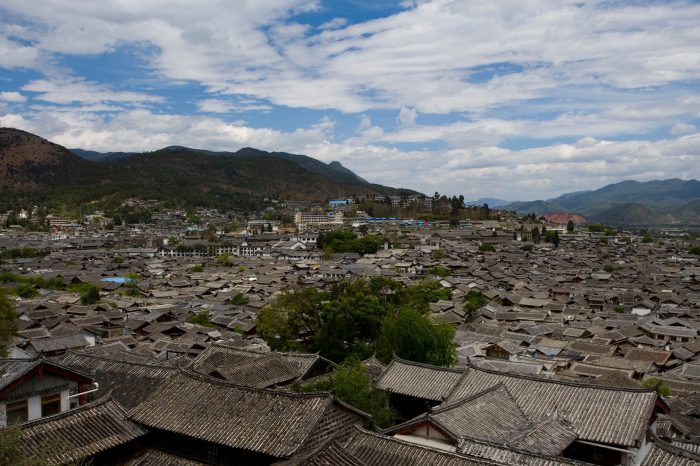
(407, 116)
(214, 106)
(421, 58)
(16, 55)
(75, 90)
(680, 129)
(335, 23)
(14, 97)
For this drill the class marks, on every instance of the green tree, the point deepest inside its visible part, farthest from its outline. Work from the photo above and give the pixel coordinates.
(8, 323)
(438, 254)
(695, 250)
(570, 226)
(91, 295)
(658, 385)
(411, 335)
(344, 321)
(132, 284)
(239, 299)
(201, 319)
(439, 271)
(487, 247)
(350, 383)
(26, 291)
(473, 301)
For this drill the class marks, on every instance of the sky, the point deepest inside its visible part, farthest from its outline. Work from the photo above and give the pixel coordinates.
(511, 99)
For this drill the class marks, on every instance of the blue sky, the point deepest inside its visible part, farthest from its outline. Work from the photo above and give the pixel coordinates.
(510, 99)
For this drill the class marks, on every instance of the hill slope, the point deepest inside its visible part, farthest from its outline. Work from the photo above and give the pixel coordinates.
(672, 201)
(28, 162)
(37, 168)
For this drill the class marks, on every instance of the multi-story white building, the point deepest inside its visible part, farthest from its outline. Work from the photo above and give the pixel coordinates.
(305, 220)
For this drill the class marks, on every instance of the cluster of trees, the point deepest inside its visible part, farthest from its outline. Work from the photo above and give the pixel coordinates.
(346, 241)
(360, 318)
(23, 253)
(538, 234)
(28, 287)
(598, 228)
(350, 383)
(695, 250)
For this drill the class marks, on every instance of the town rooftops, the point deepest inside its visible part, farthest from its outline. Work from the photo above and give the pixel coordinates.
(271, 422)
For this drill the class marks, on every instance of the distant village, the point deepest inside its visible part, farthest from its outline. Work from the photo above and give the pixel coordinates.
(137, 341)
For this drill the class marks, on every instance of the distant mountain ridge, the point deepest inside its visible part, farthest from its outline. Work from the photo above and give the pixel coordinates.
(334, 170)
(491, 201)
(659, 202)
(35, 169)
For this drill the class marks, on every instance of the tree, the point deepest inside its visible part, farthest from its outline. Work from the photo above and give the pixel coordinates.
(351, 385)
(91, 295)
(132, 284)
(345, 321)
(658, 385)
(411, 335)
(556, 239)
(8, 322)
(473, 301)
(201, 319)
(26, 291)
(535, 235)
(239, 299)
(486, 247)
(570, 226)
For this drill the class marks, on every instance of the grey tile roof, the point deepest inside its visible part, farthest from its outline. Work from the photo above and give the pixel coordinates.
(490, 415)
(272, 422)
(152, 457)
(598, 414)
(380, 450)
(663, 454)
(81, 432)
(130, 382)
(419, 380)
(509, 455)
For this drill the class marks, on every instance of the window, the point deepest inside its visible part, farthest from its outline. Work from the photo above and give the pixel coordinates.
(50, 404)
(17, 412)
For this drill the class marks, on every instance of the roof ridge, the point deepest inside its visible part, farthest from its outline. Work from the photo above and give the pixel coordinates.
(205, 378)
(425, 365)
(445, 407)
(104, 358)
(560, 382)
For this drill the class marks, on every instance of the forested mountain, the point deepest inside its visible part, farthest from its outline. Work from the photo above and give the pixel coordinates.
(32, 168)
(671, 201)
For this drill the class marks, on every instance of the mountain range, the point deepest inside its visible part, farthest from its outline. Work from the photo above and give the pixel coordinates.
(661, 202)
(34, 168)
